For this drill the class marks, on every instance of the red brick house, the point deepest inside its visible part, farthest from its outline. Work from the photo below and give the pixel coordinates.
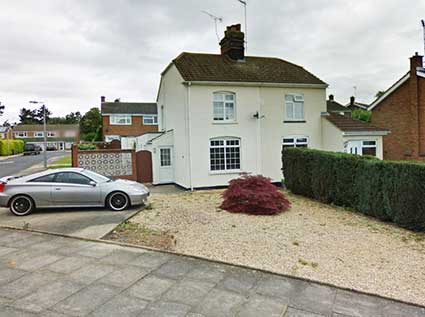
(127, 119)
(401, 109)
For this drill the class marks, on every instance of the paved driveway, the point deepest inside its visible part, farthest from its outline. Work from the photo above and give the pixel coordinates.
(91, 223)
(45, 275)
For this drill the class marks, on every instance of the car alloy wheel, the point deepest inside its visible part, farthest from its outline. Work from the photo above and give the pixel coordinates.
(21, 205)
(118, 201)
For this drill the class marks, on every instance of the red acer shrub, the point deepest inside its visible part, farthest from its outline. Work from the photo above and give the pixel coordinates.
(254, 195)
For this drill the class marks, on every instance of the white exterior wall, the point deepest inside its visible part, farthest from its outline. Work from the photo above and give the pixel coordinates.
(261, 139)
(166, 139)
(173, 97)
(273, 127)
(332, 137)
(378, 139)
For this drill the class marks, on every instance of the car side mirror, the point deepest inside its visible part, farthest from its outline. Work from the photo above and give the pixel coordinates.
(92, 183)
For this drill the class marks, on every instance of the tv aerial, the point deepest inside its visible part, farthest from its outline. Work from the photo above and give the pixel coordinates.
(216, 20)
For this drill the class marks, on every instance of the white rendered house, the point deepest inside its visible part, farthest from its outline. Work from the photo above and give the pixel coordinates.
(221, 115)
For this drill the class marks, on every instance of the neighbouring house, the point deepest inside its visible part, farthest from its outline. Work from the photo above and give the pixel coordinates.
(354, 105)
(342, 133)
(128, 119)
(5, 132)
(221, 115)
(402, 110)
(335, 107)
(59, 136)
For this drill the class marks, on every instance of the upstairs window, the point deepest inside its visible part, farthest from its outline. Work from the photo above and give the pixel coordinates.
(294, 107)
(120, 119)
(38, 134)
(51, 134)
(150, 120)
(21, 134)
(295, 141)
(224, 106)
(225, 154)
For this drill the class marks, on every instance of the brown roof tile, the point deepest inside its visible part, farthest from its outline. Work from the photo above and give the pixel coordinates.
(215, 67)
(347, 124)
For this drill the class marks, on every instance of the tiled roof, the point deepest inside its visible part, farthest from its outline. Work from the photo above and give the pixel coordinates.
(333, 106)
(50, 127)
(347, 124)
(129, 108)
(215, 67)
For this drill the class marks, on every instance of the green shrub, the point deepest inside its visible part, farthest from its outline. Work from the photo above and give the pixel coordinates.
(9, 147)
(361, 114)
(388, 190)
(86, 147)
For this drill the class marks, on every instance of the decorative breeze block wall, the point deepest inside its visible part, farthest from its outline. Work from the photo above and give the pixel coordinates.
(108, 164)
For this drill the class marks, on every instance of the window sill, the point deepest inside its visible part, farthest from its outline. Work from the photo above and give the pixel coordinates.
(294, 121)
(224, 122)
(225, 172)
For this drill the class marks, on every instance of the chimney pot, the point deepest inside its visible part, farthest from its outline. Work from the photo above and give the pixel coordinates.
(331, 97)
(233, 42)
(415, 62)
(352, 100)
(102, 98)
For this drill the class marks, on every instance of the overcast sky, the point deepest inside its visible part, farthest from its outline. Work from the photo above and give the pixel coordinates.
(70, 52)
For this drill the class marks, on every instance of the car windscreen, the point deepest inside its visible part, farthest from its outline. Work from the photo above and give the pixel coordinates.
(97, 177)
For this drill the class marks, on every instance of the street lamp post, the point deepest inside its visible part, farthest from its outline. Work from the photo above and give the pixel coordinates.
(44, 130)
(7, 132)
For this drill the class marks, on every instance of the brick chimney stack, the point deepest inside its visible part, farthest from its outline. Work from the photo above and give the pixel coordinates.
(102, 99)
(331, 97)
(233, 42)
(352, 100)
(415, 62)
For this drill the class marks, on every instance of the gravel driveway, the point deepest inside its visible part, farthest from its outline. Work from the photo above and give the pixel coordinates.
(311, 240)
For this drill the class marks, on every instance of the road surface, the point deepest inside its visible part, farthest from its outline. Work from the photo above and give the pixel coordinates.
(17, 164)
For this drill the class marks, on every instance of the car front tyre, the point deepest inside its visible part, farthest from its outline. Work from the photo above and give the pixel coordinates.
(21, 205)
(117, 201)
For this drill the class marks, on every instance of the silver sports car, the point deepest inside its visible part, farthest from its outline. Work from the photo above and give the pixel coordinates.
(69, 187)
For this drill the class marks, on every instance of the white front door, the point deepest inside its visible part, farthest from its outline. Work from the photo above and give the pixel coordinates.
(166, 168)
(354, 147)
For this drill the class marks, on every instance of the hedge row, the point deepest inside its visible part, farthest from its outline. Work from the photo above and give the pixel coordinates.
(388, 190)
(9, 147)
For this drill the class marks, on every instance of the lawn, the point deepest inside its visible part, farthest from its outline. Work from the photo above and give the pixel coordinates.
(311, 240)
(64, 161)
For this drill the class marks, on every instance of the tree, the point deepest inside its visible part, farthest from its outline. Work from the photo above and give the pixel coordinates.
(361, 114)
(1, 109)
(72, 118)
(91, 125)
(33, 116)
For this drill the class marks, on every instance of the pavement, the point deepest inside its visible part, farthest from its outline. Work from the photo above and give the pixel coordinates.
(19, 165)
(91, 223)
(47, 275)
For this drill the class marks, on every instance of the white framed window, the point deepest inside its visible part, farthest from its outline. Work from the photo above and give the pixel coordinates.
(294, 107)
(120, 119)
(224, 106)
(165, 157)
(38, 134)
(150, 120)
(295, 141)
(110, 138)
(369, 147)
(21, 134)
(51, 134)
(225, 154)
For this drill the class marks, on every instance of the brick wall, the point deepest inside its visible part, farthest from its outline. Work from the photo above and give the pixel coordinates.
(136, 128)
(403, 112)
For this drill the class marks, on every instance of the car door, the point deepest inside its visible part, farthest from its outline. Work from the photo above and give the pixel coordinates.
(75, 189)
(40, 189)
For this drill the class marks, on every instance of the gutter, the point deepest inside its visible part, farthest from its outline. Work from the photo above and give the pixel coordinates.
(365, 133)
(255, 84)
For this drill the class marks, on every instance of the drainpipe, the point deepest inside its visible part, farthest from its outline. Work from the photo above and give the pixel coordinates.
(189, 132)
(259, 150)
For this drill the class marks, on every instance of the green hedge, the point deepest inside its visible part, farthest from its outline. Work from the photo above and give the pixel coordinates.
(9, 147)
(388, 190)
(86, 146)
